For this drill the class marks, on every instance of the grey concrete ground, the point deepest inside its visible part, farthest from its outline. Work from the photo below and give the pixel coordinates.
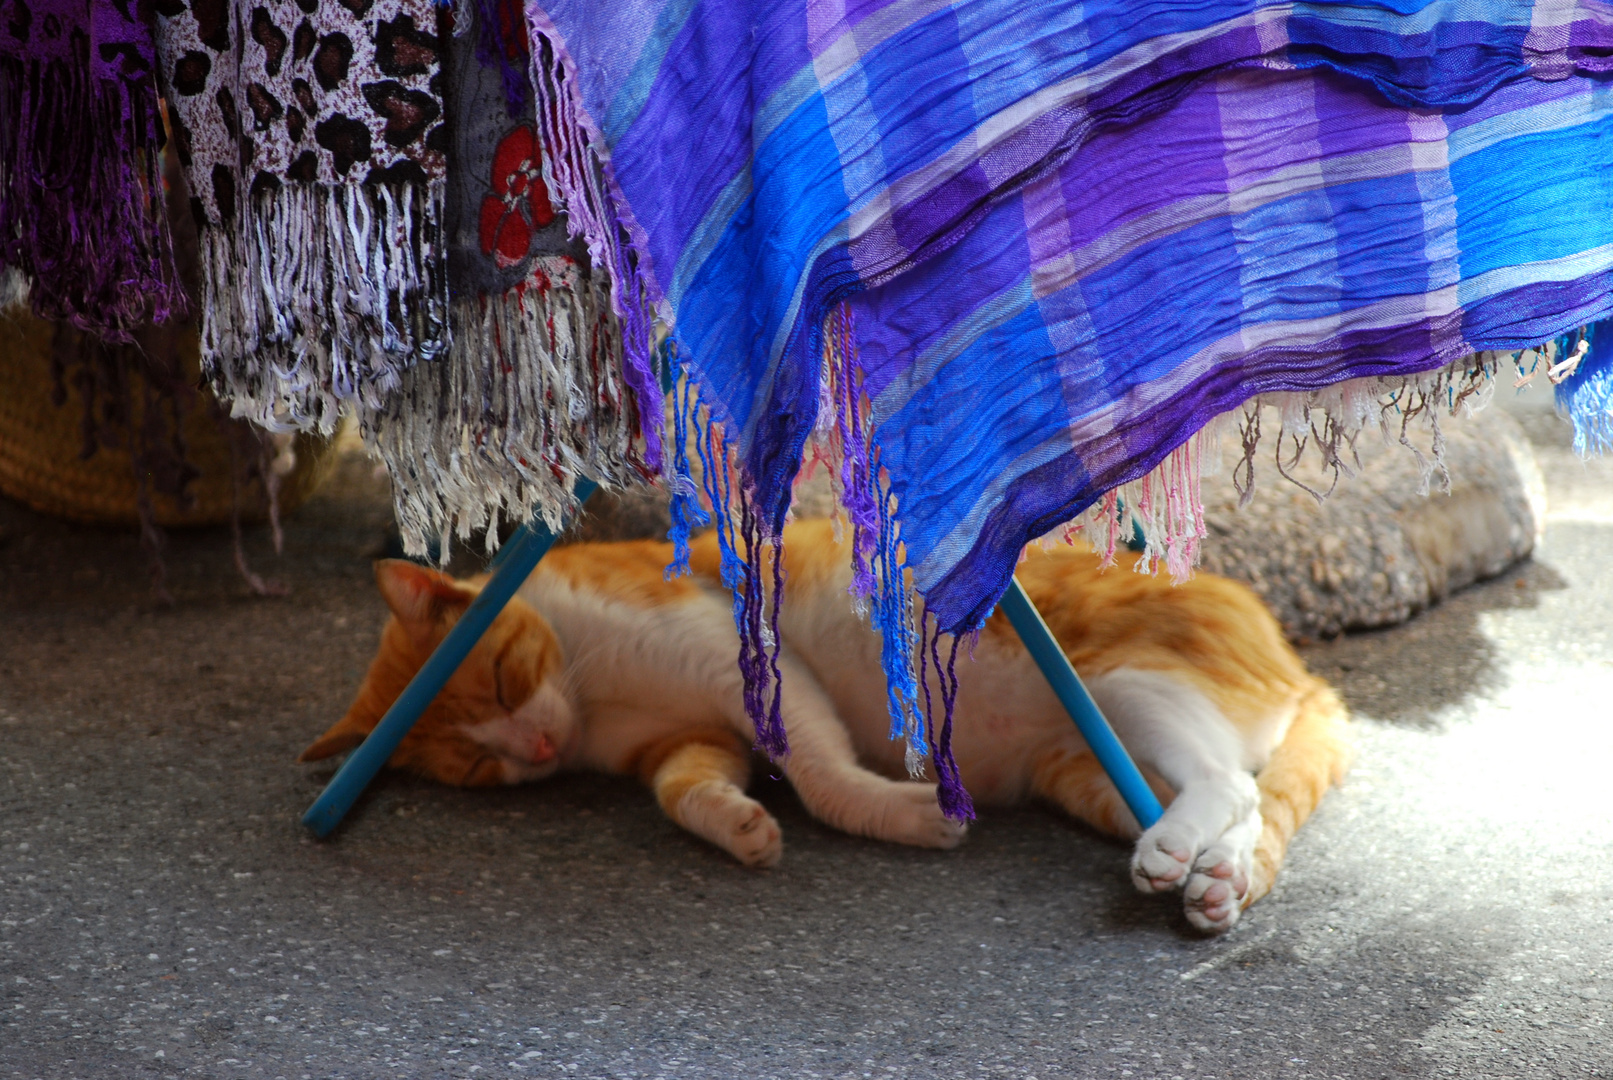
(162, 913)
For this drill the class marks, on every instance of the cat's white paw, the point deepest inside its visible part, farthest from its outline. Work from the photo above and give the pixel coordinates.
(1162, 857)
(1213, 898)
(913, 816)
(1219, 884)
(734, 822)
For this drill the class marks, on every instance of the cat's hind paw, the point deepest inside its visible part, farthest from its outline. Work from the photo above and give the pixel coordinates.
(913, 816)
(1213, 898)
(1218, 888)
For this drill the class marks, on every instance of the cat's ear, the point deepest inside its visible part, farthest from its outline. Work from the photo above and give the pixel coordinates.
(345, 734)
(418, 594)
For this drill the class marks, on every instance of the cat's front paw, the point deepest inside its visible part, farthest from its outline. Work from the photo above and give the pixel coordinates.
(755, 840)
(913, 816)
(1161, 859)
(735, 822)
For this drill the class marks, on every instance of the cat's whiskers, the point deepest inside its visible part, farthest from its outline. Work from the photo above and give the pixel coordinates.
(569, 681)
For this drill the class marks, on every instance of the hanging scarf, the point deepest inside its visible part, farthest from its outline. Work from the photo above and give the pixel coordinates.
(530, 395)
(81, 210)
(311, 135)
(1025, 252)
(378, 233)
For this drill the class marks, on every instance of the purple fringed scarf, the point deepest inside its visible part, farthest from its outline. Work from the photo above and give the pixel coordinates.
(81, 204)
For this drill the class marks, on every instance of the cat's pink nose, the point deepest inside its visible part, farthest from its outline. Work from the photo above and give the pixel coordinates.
(542, 750)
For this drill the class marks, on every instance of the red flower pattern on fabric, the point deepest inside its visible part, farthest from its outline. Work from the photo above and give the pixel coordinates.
(520, 199)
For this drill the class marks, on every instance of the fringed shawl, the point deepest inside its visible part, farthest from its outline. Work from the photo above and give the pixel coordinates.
(346, 264)
(1008, 258)
(1001, 263)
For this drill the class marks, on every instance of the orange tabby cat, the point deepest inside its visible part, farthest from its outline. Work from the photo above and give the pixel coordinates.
(602, 664)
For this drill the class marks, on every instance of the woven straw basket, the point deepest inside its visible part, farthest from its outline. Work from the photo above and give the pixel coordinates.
(41, 444)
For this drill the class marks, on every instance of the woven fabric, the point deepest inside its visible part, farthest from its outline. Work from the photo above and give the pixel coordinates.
(81, 210)
(1027, 251)
(1301, 232)
(377, 235)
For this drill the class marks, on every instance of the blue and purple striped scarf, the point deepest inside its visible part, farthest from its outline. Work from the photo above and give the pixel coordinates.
(1007, 256)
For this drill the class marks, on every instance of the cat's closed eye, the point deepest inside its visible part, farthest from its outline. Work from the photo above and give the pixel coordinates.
(515, 679)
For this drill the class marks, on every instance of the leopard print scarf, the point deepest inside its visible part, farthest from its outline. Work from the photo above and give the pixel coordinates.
(377, 233)
(81, 209)
(311, 133)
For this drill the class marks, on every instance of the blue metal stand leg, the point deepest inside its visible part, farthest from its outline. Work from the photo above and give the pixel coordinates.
(1078, 703)
(510, 568)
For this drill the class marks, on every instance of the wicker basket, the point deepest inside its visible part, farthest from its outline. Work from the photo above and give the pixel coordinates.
(41, 444)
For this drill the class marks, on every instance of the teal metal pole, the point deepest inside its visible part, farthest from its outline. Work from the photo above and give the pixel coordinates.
(514, 562)
(1105, 745)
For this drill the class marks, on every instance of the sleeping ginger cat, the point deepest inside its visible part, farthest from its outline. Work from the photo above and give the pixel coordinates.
(602, 664)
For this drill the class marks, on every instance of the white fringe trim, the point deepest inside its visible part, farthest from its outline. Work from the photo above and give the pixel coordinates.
(1167, 502)
(13, 291)
(529, 398)
(323, 296)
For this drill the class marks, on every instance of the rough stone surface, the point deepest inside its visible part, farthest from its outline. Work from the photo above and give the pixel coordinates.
(1376, 551)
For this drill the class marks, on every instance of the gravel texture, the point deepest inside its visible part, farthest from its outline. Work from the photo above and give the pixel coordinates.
(1384, 544)
(162, 913)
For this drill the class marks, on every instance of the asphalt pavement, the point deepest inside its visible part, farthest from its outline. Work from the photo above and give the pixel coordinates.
(162, 912)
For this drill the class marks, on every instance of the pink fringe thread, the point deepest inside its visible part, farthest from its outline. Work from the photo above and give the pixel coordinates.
(1167, 503)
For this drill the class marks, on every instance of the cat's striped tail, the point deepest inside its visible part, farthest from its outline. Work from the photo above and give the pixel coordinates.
(1311, 758)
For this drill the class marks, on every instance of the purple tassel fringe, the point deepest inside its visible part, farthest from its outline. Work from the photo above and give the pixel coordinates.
(953, 796)
(81, 197)
(759, 641)
(856, 469)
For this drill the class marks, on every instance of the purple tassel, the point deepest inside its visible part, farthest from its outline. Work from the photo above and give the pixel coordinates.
(856, 466)
(81, 197)
(758, 658)
(954, 797)
(775, 720)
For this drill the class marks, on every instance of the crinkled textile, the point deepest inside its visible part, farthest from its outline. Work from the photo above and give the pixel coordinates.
(530, 391)
(1056, 240)
(81, 207)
